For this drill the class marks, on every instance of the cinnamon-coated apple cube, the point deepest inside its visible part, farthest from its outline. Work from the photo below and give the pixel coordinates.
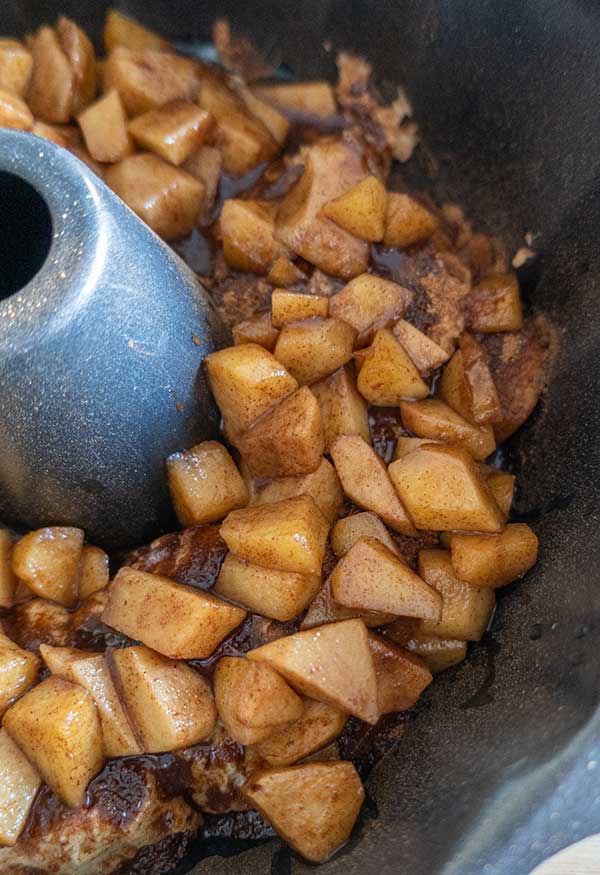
(39, 620)
(257, 329)
(104, 129)
(343, 409)
(300, 100)
(121, 30)
(205, 484)
(366, 482)
(495, 305)
(8, 581)
(91, 671)
(19, 784)
(273, 120)
(318, 725)
(388, 375)
(426, 354)
(253, 701)
(453, 388)
(443, 490)
(466, 609)
(405, 445)
(295, 306)
(205, 165)
(14, 112)
(285, 273)
(370, 577)
(167, 198)
(407, 222)
(79, 51)
(18, 671)
(369, 299)
(502, 486)
(324, 609)
(288, 535)
(361, 210)
(176, 620)
(246, 380)
(437, 653)
(323, 485)
(432, 418)
(348, 530)
(57, 727)
(313, 807)
(314, 348)
(51, 86)
(401, 676)
(280, 595)
(494, 560)
(467, 384)
(246, 229)
(16, 64)
(173, 131)
(93, 571)
(331, 167)
(47, 561)
(330, 663)
(148, 78)
(286, 441)
(168, 703)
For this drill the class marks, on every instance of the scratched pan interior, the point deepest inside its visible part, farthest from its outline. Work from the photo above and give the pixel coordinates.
(499, 771)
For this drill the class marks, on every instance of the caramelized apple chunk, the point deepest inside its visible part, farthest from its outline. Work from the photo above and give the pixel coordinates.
(348, 530)
(388, 375)
(314, 348)
(494, 305)
(14, 112)
(8, 580)
(16, 64)
(51, 86)
(432, 418)
(437, 653)
(274, 121)
(104, 129)
(148, 78)
(18, 671)
(405, 445)
(121, 30)
(324, 609)
(79, 52)
(361, 209)
(369, 300)
(257, 329)
(205, 484)
(173, 131)
(401, 676)
(467, 385)
(323, 485)
(343, 409)
(246, 229)
(300, 100)
(494, 560)
(407, 222)
(19, 784)
(295, 306)
(318, 725)
(47, 561)
(502, 486)
(426, 354)
(93, 571)
(206, 165)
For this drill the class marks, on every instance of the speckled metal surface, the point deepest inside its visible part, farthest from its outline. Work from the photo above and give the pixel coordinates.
(100, 356)
(501, 769)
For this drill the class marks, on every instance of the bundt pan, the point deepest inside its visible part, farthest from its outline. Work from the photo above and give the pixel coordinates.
(502, 767)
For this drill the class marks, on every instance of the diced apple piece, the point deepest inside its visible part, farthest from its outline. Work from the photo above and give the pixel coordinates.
(18, 671)
(494, 560)
(253, 701)
(313, 807)
(370, 577)
(286, 441)
(246, 229)
(205, 165)
(257, 329)
(438, 653)
(19, 784)
(16, 64)
(300, 100)
(324, 609)
(330, 663)
(443, 490)
(57, 727)
(104, 129)
(502, 487)
(401, 676)
(120, 30)
(453, 388)
(424, 352)
(348, 530)
(149, 78)
(93, 572)
(285, 273)
(343, 409)
(91, 671)
(466, 610)
(246, 380)
(51, 87)
(176, 620)
(80, 54)
(388, 375)
(288, 535)
(165, 197)
(369, 300)
(314, 348)
(274, 121)
(432, 418)
(407, 222)
(47, 560)
(39, 620)
(495, 305)
(205, 484)
(318, 725)
(8, 581)
(14, 112)
(405, 445)
(467, 385)
(169, 704)
(366, 482)
(323, 485)
(331, 167)
(59, 134)
(294, 306)
(280, 595)
(361, 210)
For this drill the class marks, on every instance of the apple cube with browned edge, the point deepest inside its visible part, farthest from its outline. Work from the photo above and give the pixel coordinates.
(361, 209)
(253, 701)
(104, 129)
(313, 807)
(348, 530)
(50, 91)
(443, 490)
(257, 329)
(300, 100)
(494, 560)
(16, 64)
(388, 375)
(205, 165)
(407, 222)
(47, 561)
(18, 671)
(370, 577)
(495, 304)
(296, 306)
(205, 484)
(369, 300)
(176, 620)
(330, 663)
(401, 676)
(8, 580)
(324, 609)
(93, 571)
(432, 418)
(405, 445)
(147, 78)
(437, 653)
(502, 486)
(19, 784)
(343, 409)
(246, 229)
(323, 486)
(173, 131)
(314, 348)
(470, 392)
(14, 112)
(120, 30)
(318, 725)
(424, 352)
(57, 727)
(170, 706)
(289, 535)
